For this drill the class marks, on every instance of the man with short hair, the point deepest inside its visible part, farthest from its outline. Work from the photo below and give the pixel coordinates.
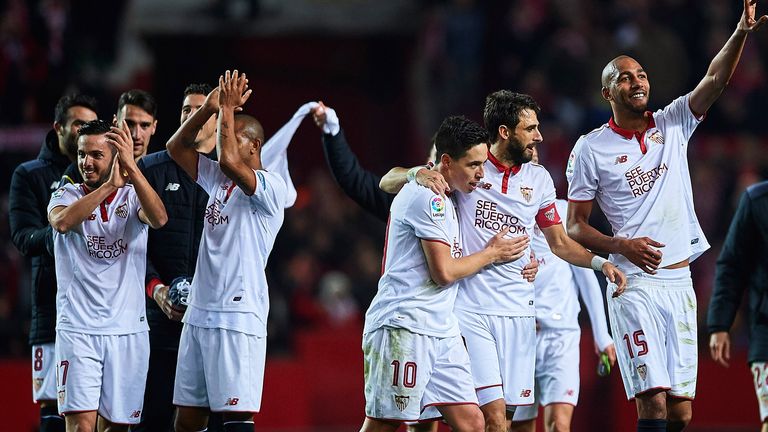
(223, 343)
(416, 366)
(102, 347)
(139, 110)
(31, 187)
(636, 167)
(171, 257)
(495, 307)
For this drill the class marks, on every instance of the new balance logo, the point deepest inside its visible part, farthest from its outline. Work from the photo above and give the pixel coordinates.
(232, 401)
(620, 159)
(172, 187)
(136, 414)
(525, 393)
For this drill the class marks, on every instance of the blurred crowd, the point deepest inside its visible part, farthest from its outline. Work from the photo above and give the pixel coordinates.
(326, 262)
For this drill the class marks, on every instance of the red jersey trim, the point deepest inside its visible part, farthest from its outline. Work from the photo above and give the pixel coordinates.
(545, 222)
(150, 287)
(666, 389)
(629, 134)
(489, 386)
(579, 201)
(508, 171)
(435, 241)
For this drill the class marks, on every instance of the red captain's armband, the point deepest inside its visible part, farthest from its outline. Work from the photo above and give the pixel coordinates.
(548, 216)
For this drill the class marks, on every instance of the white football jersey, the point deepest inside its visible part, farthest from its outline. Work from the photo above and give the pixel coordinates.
(517, 198)
(642, 182)
(100, 265)
(229, 289)
(557, 288)
(407, 297)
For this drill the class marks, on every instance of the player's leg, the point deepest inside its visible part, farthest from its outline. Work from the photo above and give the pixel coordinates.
(78, 378)
(523, 425)
(463, 418)
(679, 413)
(81, 422)
(430, 426)
(44, 387)
(238, 421)
(126, 360)
(557, 417)
(377, 425)
(486, 373)
(190, 419)
(190, 393)
(104, 425)
(517, 347)
(652, 410)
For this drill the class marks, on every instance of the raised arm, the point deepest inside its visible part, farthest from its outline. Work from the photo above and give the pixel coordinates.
(65, 218)
(181, 145)
(358, 183)
(444, 269)
(397, 177)
(640, 251)
(724, 64)
(152, 210)
(233, 94)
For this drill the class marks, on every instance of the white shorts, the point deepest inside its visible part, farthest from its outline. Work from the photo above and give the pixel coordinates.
(43, 372)
(502, 351)
(654, 325)
(557, 371)
(760, 374)
(220, 369)
(104, 373)
(408, 375)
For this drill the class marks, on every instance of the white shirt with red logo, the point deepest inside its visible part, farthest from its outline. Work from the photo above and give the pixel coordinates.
(642, 183)
(517, 198)
(407, 297)
(229, 289)
(558, 285)
(100, 265)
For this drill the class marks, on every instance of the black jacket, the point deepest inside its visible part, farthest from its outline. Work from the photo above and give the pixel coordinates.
(31, 188)
(360, 185)
(743, 265)
(172, 249)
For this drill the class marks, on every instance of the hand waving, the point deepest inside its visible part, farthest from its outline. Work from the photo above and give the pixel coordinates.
(747, 22)
(234, 91)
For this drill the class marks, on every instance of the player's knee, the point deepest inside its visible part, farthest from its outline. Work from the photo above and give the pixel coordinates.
(471, 423)
(559, 424)
(652, 406)
(496, 423)
(678, 422)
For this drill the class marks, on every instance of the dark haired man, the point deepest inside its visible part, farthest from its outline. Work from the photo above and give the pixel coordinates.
(416, 366)
(495, 307)
(31, 188)
(636, 167)
(139, 110)
(100, 238)
(171, 254)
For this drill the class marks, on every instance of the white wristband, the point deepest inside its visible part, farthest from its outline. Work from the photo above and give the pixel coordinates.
(155, 288)
(597, 263)
(411, 174)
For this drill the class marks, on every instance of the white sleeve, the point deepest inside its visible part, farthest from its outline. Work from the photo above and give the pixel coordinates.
(427, 215)
(589, 289)
(63, 196)
(270, 193)
(207, 172)
(581, 173)
(678, 114)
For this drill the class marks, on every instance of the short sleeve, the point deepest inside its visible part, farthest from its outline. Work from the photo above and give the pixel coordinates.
(678, 113)
(207, 173)
(428, 214)
(270, 194)
(580, 172)
(63, 196)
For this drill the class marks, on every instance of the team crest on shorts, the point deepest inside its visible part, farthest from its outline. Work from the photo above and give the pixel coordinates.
(527, 193)
(38, 383)
(401, 402)
(642, 370)
(437, 205)
(62, 394)
(122, 210)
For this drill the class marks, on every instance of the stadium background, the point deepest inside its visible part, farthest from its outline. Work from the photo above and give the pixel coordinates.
(392, 70)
